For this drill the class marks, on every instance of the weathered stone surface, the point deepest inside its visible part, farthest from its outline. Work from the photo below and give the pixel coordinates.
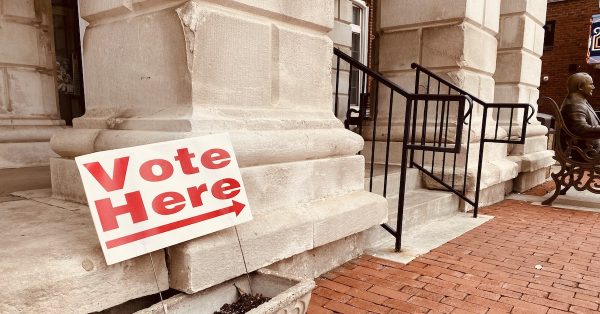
(399, 50)
(32, 93)
(301, 81)
(401, 13)
(316, 13)
(534, 161)
(270, 237)
(302, 181)
(518, 67)
(314, 262)
(26, 178)
(153, 83)
(516, 93)
(341, 34)
(536, 8)
(461, 45)
(20, 8)
(492, 15)
(527, 180)
(25, 154)
(19, 43)
(532, 144)
(345, 13)
(247, 77)
(70, 275)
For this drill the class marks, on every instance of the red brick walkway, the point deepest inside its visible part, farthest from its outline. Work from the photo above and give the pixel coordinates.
(494, 268)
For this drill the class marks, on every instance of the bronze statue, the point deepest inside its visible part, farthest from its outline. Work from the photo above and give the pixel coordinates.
(579, 116)
(577, 140)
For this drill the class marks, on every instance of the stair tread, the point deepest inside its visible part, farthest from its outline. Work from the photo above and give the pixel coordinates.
(379, 170)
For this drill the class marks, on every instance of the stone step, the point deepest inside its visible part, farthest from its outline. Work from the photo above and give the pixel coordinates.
(413, 179)
(421, 206)
(52, 261)
(395, 155)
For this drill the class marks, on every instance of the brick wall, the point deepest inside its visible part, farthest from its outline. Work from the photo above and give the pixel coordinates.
(570, 47)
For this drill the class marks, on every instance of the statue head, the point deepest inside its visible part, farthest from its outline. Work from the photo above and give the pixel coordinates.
(580, 83)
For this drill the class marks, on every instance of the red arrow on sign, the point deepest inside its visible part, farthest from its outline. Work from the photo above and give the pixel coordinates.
(236, 207)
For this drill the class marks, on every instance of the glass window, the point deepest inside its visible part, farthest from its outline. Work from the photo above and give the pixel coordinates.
(356, 20)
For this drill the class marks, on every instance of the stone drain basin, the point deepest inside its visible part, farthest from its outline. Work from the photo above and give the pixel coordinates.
(288, 295)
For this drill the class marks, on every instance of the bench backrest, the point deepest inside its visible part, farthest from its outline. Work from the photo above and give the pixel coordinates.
(566, 144)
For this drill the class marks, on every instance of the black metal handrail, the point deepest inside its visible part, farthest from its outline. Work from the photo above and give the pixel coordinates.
(451, 116)
(509, 139)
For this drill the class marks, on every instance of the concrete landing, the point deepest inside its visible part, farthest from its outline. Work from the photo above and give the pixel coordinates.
(52, 261)
(578, 200)
(427, 237)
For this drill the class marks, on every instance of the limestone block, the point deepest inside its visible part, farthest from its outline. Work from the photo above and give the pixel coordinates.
(527, 180)
(25, 154)
(399, 49)
(71, 275)
(66, 181)
(24, 178)
(358, 211)
(512, 32)
(405, 80)
(300, 78)
(404, 13)
(90, 8)
(341, 34)
(461, 45)
(270, 237)
(489, 195)
(154, 82)
(277, 234)
(535, 8)
(252, 148)
(538, 45)
(301, 182)
(314, 262)
(475, 10)
(515, 93)
(317, 12)
(4, 98)
(32, 93)
(530, 34)
(20, 8)
(479, 85)
(346, 11)
(491, 15)
(216, 39)
(18, 43)
(521, 31)
(191, 263)
(534, 161)
(486, 88)
(532, 145)
(340, 85)
(26, 133)
(516, 66)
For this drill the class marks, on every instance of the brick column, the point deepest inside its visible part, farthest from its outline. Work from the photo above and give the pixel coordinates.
(520, 47)
(457, 41)
(28, 99)
(259, 70)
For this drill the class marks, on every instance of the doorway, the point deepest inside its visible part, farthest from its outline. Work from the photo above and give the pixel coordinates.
(67, 47)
